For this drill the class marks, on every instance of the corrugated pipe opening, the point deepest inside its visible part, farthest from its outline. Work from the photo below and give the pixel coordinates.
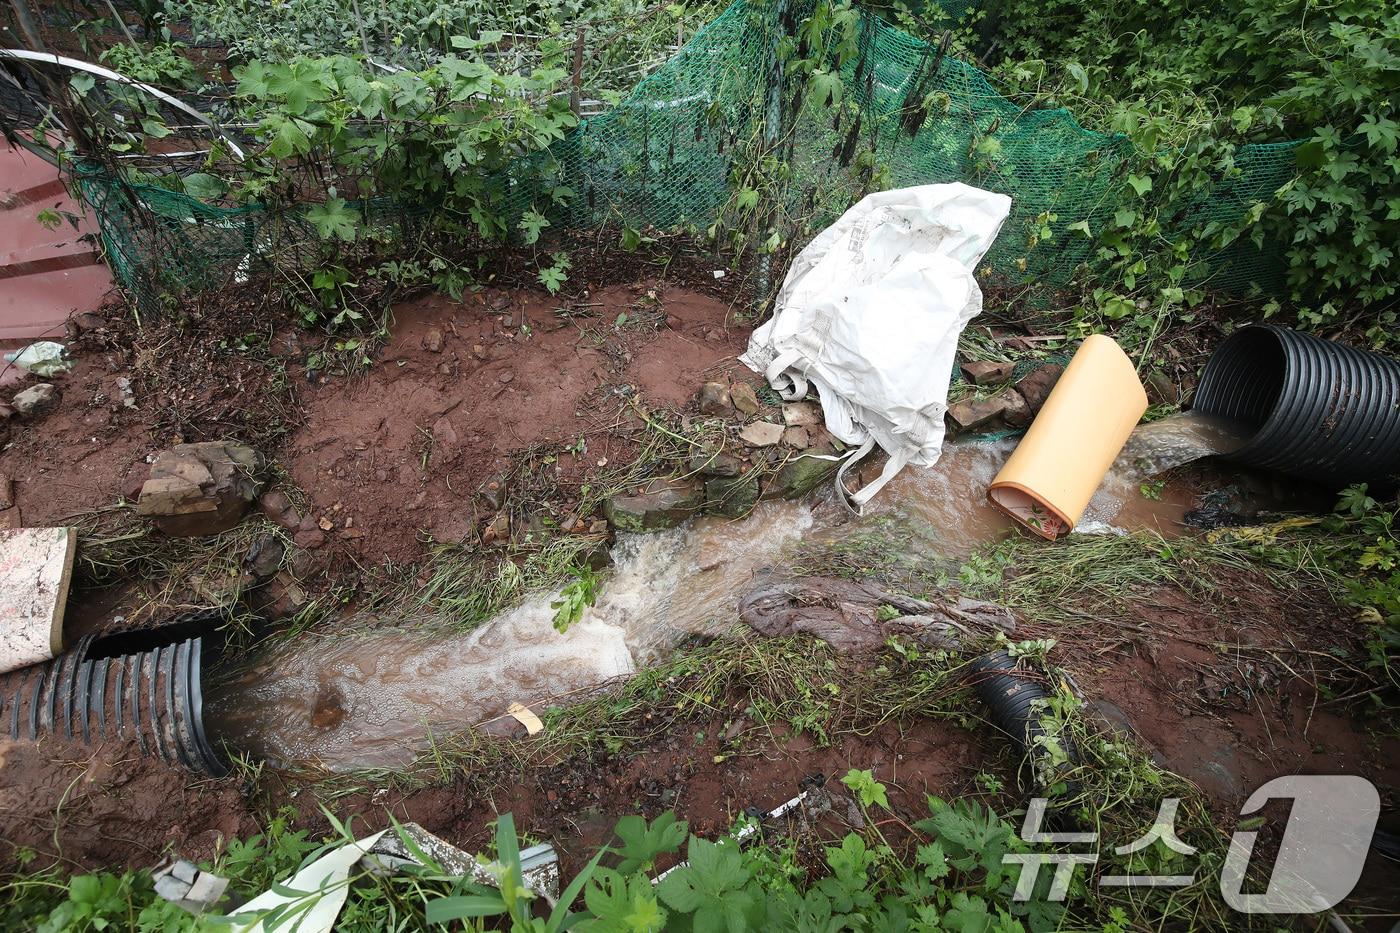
(1016, 700)
(154, 696)
(1311, 408)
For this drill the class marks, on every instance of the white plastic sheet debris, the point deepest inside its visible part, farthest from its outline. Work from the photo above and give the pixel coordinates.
(44, 358)
(312, 899)
(315, 894)
(870, 315)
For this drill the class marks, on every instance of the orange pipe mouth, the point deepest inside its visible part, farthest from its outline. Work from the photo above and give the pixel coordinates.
(1025, 508)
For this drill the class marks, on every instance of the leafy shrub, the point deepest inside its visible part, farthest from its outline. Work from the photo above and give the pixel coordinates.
(1365, 552)
(1189, 83)
(628, 34)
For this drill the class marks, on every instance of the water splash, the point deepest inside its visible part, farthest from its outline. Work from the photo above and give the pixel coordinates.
(371, 699)
(367, 700)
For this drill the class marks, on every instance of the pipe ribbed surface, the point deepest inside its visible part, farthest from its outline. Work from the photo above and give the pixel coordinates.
(1308, 407)
(154, 697)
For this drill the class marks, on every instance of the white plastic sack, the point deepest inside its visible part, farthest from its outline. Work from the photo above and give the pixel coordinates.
(871, 312)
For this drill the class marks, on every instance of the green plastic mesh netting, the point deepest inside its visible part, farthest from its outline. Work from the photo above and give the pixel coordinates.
(665, 157)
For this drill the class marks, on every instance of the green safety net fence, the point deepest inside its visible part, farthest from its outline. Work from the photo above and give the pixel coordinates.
(667, 157)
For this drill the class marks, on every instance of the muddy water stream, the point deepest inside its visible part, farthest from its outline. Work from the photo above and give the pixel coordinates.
(361, 700)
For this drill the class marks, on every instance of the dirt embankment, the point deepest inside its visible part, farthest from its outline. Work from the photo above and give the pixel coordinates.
(398, 455)
(382, 461)
(111, 807)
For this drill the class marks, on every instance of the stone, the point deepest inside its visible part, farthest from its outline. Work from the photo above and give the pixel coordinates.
(264, 557)
(7, 491)
(1160, 389)
(505, 377)
(493, 492)
(798, 476)
(309, 538)
(796, 437)
(987, 372)
(87, 321)
(281, 597)
(802, 414)
(761, 434)
(6, 412)
(133, 481)
(661, 503)
(303, 564)
(744, 398)
(1016, 414)
(445, 438)
(716, 464)
(855, 616)
(34, 586)
(972, 413)
(433, 340)
(714, 399)
(280, 510)
(35, 400)
(1036, 386)
(731, 497)
(285, 345)
(200, 489)
(497, 530)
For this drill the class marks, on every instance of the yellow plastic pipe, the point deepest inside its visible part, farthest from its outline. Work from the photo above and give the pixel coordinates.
(1052, 474)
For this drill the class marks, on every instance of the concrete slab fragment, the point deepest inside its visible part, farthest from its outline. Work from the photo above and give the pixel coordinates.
(36, 567)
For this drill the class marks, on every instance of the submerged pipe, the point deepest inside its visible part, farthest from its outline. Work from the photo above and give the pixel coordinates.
(154, 696)
(1308, 407)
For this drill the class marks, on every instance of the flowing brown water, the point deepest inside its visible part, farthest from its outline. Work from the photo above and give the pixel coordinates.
(373, 699)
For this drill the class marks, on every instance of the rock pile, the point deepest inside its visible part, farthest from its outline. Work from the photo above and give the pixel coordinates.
(1014, 406)
(201, 489)
(771, 451)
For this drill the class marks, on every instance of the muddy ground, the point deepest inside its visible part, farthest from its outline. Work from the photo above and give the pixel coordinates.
(509, 385)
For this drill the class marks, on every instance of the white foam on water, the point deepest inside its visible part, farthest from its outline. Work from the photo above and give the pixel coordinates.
(371, 699)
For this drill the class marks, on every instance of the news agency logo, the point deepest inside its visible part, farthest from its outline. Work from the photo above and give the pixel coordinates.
(1320, 858)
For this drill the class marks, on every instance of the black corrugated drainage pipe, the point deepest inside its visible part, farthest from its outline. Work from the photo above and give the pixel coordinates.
(1011, 694)
(1307, 407)
(153, 696)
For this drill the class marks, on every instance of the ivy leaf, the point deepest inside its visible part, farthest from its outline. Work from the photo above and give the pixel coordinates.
(204, 186)
(711, 886)
(1140, 184)
(933, 859)
(553, 279)
(864, 786)
(289, 137)
(825, 87)
(465, 78)
(334, 218)
(747, 199)
(486, 37)
(967, 915)
(82, 83)
(532, 223)
(1381, 132)
(1079, 74)
(623, 903)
